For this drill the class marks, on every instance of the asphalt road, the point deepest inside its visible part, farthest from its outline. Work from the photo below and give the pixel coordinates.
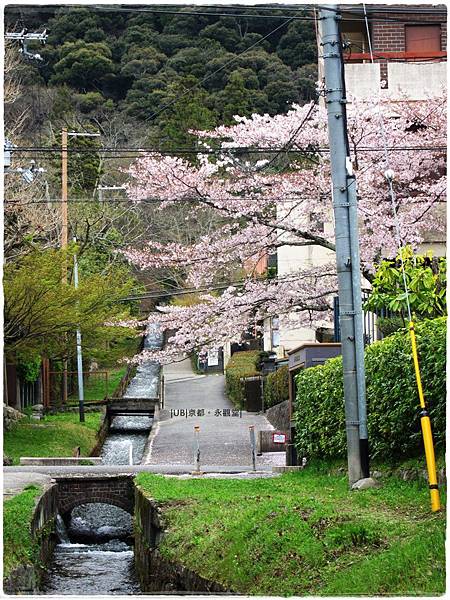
(224, 433)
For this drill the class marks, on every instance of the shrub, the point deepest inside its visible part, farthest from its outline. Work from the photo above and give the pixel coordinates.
(276, 387)
(392, 399)
(240, 365)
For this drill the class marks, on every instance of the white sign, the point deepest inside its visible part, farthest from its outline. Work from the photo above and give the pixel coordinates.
(213, 358)
(279, 438)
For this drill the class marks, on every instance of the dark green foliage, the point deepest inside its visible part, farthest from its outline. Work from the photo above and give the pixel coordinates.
(426, 279)
(276, 387)
(83, 65)
(29, 367)
(392, 400)
(240, 365)
(298, 47)
(135, 59)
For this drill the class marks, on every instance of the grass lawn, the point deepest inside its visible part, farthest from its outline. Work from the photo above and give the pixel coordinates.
(304, 534)
(18, 546)
(56, 435)
(95, 387)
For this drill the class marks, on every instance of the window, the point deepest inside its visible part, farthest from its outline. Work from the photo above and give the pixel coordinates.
(423, 38)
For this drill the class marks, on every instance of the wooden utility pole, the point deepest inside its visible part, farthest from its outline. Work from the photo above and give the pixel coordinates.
(64, 234)
(64, 228)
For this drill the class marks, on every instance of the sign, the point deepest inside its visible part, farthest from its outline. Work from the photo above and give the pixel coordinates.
(213, 358)
(279, 438)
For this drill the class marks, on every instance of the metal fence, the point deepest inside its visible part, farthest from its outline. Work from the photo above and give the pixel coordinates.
(372, 332)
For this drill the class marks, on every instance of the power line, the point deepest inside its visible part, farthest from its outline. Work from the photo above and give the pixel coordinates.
(214, 152)
(354, 12)
(222, 286)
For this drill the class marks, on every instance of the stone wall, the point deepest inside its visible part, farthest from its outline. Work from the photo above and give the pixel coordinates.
(156, 573)
(10, 417)
(278, 416)
(26, 579)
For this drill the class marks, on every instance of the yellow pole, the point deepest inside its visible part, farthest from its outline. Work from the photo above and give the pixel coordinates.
(426, 429)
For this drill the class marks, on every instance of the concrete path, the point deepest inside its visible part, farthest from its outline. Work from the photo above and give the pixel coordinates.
(15, 481)
(224, 438)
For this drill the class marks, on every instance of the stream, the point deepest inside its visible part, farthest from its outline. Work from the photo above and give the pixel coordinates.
(95, 550)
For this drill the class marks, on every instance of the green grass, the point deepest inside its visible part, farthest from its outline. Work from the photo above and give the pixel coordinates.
(304, 534)
(18, 546)
(95, 386)
(56, 435)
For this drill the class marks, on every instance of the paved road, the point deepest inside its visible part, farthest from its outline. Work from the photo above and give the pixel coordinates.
(224, 440)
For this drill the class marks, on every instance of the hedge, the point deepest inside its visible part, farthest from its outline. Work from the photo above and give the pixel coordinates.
(276, 387)
(240, 365)
(392, 399)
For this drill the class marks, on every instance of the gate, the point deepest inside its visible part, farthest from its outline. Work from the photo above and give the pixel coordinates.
(254, 401)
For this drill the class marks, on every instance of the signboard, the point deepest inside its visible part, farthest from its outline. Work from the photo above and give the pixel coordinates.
(279, 438)
(213, 358)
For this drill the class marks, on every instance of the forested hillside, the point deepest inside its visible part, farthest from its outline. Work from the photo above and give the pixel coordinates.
(141, 63)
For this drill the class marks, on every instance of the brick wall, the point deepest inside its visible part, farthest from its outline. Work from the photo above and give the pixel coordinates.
(109, 489)
(390, 36)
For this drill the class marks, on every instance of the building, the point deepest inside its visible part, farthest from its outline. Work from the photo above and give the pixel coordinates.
(409, 49)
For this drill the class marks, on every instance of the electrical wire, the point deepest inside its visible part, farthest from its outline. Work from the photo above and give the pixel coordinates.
(389, 178)
(214, 152)
(353, 12)
(202, 81)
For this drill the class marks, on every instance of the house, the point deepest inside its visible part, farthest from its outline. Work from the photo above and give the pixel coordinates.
(408, 45)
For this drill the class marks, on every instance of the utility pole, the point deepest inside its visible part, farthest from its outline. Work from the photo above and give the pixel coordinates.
(64, 219)
(64, 226)
(24, 37)
(64, 235)
(79, 354)
(347, 246)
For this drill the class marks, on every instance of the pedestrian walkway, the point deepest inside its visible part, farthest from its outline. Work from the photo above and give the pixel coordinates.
(224, 432)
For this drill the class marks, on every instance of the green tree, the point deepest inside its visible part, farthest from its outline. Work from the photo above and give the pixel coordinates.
(140, 62)
(189, 112)
(42, 313)
(426, 279)
(297, 47)
(83, 65)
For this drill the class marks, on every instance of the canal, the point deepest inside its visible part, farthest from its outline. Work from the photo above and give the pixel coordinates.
(95, 550)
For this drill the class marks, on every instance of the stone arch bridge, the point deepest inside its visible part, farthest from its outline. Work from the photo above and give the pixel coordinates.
(74, 490)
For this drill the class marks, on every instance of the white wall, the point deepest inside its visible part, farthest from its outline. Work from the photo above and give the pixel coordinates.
(417, 81)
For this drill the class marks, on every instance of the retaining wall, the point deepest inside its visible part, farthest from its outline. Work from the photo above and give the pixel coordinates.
(26, 579)
(156, 573)
(278, 416)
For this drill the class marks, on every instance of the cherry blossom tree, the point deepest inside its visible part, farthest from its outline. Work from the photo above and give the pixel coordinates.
(269, 177)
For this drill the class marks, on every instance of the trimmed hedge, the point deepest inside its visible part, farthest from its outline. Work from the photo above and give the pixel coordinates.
(392, 399)
(276, 387)
(240, 365)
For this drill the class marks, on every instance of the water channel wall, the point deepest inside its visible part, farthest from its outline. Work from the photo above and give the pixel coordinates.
(102, 434)
(155, 572)
(26, 579)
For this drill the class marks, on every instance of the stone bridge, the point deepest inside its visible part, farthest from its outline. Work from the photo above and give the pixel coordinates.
(84, 489)
(131, 406)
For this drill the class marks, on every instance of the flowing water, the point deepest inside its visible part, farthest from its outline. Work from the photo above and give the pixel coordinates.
(95, 553)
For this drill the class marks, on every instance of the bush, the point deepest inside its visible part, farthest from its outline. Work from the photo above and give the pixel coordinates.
(240, 365)
(276, 387)
(392, 399)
